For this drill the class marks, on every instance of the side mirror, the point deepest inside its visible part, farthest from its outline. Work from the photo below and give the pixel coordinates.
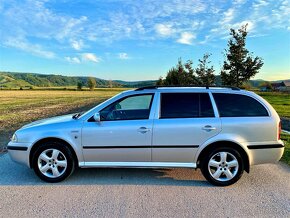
(97, 117)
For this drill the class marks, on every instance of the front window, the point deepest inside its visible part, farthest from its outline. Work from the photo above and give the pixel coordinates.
(136, 107)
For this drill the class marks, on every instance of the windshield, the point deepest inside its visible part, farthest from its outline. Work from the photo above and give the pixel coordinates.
(89, 111)
(77, 115)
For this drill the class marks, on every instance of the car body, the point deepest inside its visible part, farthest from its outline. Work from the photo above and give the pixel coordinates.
(157, 127)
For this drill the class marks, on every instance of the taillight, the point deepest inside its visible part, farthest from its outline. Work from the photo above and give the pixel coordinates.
(279, 132)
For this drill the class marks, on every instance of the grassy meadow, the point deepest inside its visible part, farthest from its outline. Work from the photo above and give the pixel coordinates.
(280, 101)
(286, 157)
(19, 107)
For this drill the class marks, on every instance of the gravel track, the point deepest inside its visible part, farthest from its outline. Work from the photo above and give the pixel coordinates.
(265, 192)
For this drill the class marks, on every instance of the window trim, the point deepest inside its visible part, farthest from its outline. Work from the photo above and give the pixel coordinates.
(199, 117)
(91, 119)
(241, 94)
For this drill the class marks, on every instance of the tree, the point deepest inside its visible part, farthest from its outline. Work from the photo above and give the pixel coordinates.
(240, 65)
(80, 85)
(92, 83)
(110, 84)
(247, 86)
(181, 74)
(159, 81)
(266, 86)
(205, 73)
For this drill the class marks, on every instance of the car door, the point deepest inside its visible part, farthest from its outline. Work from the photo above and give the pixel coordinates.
(184, 121)
(123, 134)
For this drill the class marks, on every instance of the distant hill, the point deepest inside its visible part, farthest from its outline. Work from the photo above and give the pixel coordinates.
(17, 80)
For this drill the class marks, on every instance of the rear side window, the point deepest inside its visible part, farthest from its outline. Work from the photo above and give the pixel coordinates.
(185, 105)
(235, 105)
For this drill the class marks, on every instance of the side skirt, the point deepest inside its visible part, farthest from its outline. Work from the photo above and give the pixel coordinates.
(136, 165)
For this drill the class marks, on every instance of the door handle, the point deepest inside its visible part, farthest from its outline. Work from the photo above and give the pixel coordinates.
(143, 129)
(208, 128)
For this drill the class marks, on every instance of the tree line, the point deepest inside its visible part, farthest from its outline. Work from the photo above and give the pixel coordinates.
(238, 67)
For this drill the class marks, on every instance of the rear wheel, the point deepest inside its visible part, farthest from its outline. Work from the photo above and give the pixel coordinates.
(53, 162)
(222, 166)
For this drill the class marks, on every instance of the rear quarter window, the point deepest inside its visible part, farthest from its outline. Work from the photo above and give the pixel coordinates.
(236, 105)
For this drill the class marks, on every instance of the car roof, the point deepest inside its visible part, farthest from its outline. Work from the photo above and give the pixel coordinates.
(181, 89)
(219, 89)
(187, 87)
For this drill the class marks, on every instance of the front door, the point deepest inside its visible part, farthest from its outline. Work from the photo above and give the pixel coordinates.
(124, 133)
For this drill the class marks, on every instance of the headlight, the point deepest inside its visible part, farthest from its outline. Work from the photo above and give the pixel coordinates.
(14, 138)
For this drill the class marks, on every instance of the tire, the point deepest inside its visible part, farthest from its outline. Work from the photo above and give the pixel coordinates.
(53, 162)
(222, 166)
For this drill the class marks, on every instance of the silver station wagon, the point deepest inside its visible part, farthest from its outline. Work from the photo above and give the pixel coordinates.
(221, 130)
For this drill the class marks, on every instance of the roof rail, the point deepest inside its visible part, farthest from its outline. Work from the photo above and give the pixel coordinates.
(205, 86)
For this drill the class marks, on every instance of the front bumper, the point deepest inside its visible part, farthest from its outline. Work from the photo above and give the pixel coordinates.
(19, 152)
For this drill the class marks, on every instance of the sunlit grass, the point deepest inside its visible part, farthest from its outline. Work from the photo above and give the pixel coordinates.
(286, 156)
(19, 107)
(280, 101)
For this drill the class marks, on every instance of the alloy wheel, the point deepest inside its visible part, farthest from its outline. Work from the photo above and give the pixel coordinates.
(223, 166)
(52, 163)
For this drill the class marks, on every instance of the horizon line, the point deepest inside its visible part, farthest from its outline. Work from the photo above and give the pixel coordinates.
(141, 80)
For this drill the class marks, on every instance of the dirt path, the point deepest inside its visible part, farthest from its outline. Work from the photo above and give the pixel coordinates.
(265, 192)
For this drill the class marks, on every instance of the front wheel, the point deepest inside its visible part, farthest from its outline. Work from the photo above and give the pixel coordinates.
(53, 162)
(222, 166)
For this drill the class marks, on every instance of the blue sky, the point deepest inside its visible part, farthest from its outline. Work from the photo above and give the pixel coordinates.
(137, 40)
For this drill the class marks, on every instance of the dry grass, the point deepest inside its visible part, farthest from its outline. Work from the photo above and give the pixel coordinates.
(20, 107)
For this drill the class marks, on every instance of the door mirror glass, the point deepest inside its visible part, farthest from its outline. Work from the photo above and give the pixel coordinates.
(97, 117)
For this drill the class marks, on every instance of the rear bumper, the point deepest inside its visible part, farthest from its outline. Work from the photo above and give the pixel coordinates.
(19, 152)
(268, 153)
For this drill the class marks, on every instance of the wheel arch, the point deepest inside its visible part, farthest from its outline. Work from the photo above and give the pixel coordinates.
(55, 139)
(229, 144)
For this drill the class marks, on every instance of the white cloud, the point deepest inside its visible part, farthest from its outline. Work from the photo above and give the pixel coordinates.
(24, 45)
(90, 57)
(239, 2)
(260, 3)
(39, 23)
(32, 20)
(74, 60)
(228, 16)
(123, 56)
(186, 38)
(250, 25)
(257, 35)
(83, 57)
(205, 40)
(164, 29)
(197, 24)
(77, 44)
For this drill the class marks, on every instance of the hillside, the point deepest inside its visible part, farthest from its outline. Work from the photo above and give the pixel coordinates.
(13, 80)
(16, 80)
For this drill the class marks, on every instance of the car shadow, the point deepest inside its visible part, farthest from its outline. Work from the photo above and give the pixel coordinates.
(13, 174)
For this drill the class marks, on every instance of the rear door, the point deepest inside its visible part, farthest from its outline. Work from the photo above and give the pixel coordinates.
(184, 122)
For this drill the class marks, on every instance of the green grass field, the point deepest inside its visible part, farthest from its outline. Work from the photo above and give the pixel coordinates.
(286, 157)
(19, 107)
(280, 101)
